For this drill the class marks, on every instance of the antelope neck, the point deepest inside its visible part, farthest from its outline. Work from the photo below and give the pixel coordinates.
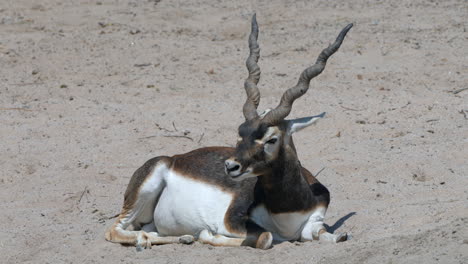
(284, 189)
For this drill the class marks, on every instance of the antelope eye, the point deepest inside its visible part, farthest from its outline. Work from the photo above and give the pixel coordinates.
(272, 141)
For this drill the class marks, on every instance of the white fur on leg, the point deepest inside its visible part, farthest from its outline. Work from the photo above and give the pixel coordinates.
(325, 236)
(314, 225)
(219, 240)
(314, 229)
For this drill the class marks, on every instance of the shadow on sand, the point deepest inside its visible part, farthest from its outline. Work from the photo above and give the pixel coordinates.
(338, 223)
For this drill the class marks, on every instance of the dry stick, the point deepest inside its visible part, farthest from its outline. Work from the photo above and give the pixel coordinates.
(175, 136)
(201, 137)
(114, 216)
(460, 90)
(162, 128)
(173, 124)
(352, 109)
(142, 65)
(178, 136)
(104, 218)
(408, 103)
(463, 112)
(82, 194)
(319, 172)
(148, 137)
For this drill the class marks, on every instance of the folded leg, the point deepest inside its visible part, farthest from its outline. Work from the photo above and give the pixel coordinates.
(315, 230)
(255, 237)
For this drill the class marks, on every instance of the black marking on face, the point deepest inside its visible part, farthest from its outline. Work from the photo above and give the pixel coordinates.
(250, 151)
(252, 130)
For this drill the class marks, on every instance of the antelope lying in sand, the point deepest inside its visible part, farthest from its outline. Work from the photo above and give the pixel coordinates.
(250, 195)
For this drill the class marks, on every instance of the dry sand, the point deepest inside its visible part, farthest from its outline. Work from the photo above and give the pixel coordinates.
(90, 90)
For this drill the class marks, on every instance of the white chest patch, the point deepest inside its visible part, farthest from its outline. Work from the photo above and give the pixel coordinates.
(285, 226)
(187, 206)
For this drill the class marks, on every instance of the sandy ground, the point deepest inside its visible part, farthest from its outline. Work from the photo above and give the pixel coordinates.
(90, 90)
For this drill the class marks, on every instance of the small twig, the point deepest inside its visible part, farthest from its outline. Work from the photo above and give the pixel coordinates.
(395, 108)
(176, 136)
(432, 120)
(105, 218)
(109, 217)
(125, 83)
(162, 128)
(351, 109)
(460, 90)
(15, 108)
(142, 65)
(148, 137)
(114, 216)
(173, 124)
(201, 137)
(124, 25)
(82, 194)
(319, 172)
(383, 182)
(408, 103)
(463, 112)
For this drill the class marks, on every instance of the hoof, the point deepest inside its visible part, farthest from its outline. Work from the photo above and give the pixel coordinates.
(264, 241)
(187, 239)
(342, 237)
(139, 248)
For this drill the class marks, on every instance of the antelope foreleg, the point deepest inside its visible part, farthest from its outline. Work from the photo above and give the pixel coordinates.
(262, 241)
(315, 230)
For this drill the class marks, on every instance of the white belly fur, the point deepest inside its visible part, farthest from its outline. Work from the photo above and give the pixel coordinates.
(284, 226)
(187, 206)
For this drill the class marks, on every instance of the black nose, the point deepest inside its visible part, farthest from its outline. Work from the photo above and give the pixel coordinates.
(232, 165)
(236, 167)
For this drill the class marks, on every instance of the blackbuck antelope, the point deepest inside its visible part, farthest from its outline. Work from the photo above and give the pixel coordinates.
(250, 195)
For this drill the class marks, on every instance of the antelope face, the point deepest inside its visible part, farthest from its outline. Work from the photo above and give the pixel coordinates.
(257, 149)
(261, 144)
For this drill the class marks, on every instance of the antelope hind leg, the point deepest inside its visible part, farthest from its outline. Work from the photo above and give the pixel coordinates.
(141, 196)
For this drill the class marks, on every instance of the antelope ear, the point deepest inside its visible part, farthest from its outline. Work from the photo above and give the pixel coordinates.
(300, 123)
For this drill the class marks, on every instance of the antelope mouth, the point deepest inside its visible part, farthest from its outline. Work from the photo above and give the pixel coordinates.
(242, 175)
